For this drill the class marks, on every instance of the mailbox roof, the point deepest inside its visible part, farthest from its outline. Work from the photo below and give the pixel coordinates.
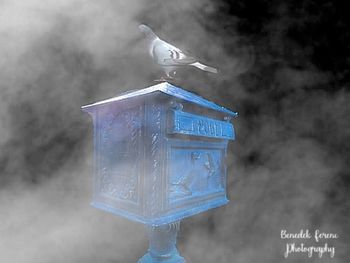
(171, 90)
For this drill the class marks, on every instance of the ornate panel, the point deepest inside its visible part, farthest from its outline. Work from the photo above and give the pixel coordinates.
(194, 173)
(119, 154)
(191, 124)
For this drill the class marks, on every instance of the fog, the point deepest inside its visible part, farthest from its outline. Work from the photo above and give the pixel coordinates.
(287, 167)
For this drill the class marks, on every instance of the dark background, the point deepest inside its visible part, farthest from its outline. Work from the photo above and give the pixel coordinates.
(283, 65)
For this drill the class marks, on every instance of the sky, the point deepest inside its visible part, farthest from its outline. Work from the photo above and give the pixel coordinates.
(284, 66)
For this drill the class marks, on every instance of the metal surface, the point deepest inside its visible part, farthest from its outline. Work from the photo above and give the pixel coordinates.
(160, 156)
(162, 245)
(191, 124)
(169, 89)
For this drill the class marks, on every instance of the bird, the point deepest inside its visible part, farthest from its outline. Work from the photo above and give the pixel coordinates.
(168, 56)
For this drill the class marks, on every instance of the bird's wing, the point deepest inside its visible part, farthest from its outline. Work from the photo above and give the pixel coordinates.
(169, 55)
(179, 62)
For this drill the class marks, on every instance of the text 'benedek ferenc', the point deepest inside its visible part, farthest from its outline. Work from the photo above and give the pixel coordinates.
(318, 236)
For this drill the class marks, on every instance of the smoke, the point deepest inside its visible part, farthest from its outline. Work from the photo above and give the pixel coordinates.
(56, 57)
(287, 167)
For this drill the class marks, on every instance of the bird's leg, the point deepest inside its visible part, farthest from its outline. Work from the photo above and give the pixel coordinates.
(166, 77)
(168, 74)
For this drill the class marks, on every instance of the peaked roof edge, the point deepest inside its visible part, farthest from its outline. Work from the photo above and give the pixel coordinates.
(169, 89)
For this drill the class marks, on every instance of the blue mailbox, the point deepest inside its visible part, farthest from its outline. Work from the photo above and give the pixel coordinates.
(160, 155)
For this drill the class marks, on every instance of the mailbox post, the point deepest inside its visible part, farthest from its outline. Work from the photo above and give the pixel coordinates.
(160, 157)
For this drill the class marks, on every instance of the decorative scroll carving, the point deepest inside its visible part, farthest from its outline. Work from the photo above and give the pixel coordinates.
(120, 137)
(155, 157)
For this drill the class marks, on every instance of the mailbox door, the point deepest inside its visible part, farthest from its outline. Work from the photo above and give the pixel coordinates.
(196, 175)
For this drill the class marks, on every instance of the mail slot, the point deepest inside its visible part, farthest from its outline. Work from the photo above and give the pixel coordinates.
(159, 154)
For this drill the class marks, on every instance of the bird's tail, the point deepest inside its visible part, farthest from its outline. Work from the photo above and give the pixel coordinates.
(204, 67)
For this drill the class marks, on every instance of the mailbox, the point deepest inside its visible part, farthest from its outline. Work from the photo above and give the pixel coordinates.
(160, 154)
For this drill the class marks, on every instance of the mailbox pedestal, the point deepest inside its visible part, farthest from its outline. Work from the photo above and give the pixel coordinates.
(162, 244)
(160, 156)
